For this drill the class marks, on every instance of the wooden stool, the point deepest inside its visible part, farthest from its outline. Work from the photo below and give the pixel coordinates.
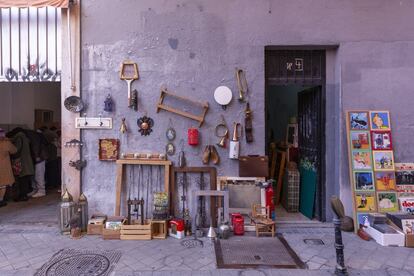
(265, 226)
(159, 229)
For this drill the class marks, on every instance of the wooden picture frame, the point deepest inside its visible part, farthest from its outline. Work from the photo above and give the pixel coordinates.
(364, 181)
(365, 202)
(361, 160)
(360, 140)
(380, 120)
(383, 160)
(381, 140)
(108, 149)
(385, 181)
(387, 202)
(358, 120)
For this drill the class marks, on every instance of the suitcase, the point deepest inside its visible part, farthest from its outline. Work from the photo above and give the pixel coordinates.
(253, 166)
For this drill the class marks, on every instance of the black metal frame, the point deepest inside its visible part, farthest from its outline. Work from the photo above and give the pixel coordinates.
(276, 73)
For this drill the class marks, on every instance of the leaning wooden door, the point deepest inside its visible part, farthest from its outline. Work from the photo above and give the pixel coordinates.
(310, 127)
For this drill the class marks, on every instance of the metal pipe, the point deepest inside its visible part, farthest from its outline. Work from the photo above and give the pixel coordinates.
(37, 42)
(47, 38)
(56, 41)
(20, 45)
(10, 42)
(28, 41)
(1, 40)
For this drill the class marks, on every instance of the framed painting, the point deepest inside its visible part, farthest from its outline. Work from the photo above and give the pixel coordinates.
(358, 120)
(361, 160)
(404, 173)
(364, 181)
(380, 120)
(381, 140)
(365, 202)
(360, 140)
(362, 218)
(385, 181)
(108, 149)
(387, 202)
(383, 160)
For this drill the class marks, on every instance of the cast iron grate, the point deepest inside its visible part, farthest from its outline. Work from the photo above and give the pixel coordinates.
(72, 262)
(253, 252)
(314, 241)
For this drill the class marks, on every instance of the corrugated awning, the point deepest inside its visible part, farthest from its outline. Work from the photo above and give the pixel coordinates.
(34, 3)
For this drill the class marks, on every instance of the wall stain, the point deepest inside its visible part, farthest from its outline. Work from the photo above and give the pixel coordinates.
(192, 55)
(173, 43)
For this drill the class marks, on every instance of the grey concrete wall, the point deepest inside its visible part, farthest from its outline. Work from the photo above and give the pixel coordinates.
(193, 46)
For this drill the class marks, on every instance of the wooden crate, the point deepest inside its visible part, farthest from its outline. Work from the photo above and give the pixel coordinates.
(159, 229)
(136, 231)
(109, 234)
(96, 228)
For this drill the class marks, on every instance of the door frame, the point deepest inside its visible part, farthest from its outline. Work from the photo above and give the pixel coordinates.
(321, 196)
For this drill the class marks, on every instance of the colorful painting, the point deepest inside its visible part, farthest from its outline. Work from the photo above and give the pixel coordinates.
(108, 149)
(380, 120)
(387, 202)
(365, 202)
(381, 140)
(385, 181)
(358, 120)
(362, 218)
(361, 160)
(383, 160)
(363, 181)
(360, 140)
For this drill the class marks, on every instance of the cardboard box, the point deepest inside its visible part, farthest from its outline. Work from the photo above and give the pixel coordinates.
(403, 221)
(387, 239)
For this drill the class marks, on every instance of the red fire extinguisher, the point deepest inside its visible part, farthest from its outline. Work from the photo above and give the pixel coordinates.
(238, 224)
(192, 136)
(269, 201)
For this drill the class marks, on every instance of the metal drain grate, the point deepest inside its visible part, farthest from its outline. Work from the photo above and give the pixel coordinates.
(314, 241)
(71, 262)
(252, 252)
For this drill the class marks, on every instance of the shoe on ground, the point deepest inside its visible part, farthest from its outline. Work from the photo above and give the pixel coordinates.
(3, 203)
(32, 193)
(38, 194)
(22, 198)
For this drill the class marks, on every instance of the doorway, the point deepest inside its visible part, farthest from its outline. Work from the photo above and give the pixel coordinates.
(295, 122)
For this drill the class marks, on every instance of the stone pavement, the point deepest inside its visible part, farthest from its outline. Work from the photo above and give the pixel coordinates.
(26, 245)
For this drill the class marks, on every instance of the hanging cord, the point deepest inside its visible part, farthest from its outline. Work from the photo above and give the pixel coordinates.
(147, 188)
(72, 82)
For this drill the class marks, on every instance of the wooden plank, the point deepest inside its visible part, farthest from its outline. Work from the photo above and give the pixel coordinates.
(280, 177)
(136, 227)
(119, 176)
(167, 179)
(135, 237)
(136, 232)
(179, 112)
(144, 162)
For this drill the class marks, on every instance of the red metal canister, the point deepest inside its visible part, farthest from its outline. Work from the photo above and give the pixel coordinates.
(269, 200)
(192, 136)
(238, 224)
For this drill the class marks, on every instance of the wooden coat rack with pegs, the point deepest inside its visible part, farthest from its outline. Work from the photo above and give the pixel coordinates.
(162, 106)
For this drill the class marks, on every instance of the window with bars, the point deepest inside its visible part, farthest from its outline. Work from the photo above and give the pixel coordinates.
(30, 44)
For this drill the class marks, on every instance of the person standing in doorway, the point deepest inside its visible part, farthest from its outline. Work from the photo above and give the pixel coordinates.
(38, 148)
(6, 172)
(23, 179)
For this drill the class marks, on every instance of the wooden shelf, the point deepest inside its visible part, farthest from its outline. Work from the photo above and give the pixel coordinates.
(143, 162)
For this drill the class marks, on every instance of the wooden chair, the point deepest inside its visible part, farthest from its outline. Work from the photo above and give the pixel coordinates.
(261, 220)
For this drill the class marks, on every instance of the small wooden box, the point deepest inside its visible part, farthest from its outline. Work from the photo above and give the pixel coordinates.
(159, 229)
(109, 234)
(96, 227)
(136, 231)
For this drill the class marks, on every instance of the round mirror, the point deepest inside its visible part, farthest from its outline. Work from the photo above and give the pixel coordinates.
(223, 96)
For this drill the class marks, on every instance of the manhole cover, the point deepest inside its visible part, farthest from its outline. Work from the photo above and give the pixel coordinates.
(191, 243)
(70, 262)
(314, 241)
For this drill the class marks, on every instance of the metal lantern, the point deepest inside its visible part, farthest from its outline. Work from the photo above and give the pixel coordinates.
(83, 205)
(66, 212)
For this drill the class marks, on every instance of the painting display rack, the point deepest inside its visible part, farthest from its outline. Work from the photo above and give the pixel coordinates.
(162, 106)
(120, 176)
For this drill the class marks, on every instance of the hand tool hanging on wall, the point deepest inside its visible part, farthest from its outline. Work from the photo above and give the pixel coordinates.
(181, 156)
(129, 73)
(248, 124)
(241, 84)
(123, 128)
(222, 131)
(234, 143)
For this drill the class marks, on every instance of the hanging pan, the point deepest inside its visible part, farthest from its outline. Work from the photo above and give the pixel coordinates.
(74, 104)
